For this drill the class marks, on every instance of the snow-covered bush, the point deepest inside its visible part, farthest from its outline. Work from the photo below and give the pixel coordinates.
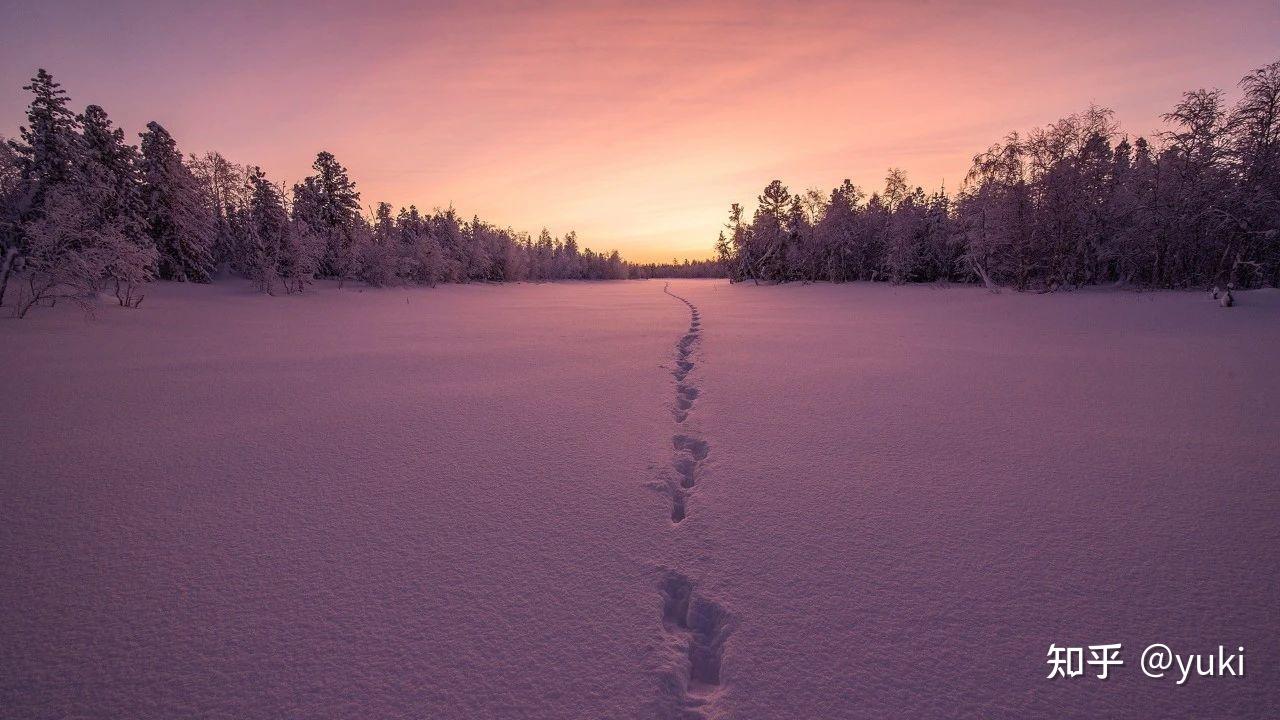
(71, 253)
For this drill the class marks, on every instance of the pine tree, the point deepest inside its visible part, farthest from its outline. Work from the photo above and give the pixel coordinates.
(109, 180)
(770, 235)
(104, 147)
(379, 256)
(447, 233)
(12, 202)
(837, 233)
(266, 229)
(330, 204)
(46, 154)
(179, 218)
(49, 148)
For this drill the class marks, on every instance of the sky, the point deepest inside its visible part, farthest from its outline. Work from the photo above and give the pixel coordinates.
(634, 123)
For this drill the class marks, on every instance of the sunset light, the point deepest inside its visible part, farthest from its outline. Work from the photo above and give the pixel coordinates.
(634, 123)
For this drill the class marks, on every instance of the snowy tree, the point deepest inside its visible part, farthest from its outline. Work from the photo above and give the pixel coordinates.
(1072, 203)
(515, 260)
(1255, 147)
(179, 218)
(1194, 182)
(904, 230)
(379, 255)
(105, 150)
(941, 251)
(1068, 170)
(330, 204)
(76, 220)
(71, 250)
(571, 258)
(300, 256)
(418, 263)
(111, 189)
(837, 233)
(804, 254)
(266, 230)
(739, 243)
(446, 230)
(49, 145)
(994, 215)
(12, 205)
(770, 234)
(225, 185)
(46, 154)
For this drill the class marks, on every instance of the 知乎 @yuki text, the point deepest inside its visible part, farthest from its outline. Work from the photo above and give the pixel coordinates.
(1158, 661)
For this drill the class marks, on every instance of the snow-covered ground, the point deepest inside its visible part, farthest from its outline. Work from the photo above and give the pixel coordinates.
(462, 502)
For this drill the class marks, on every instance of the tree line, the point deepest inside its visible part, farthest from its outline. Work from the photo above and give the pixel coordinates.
(82, 212)
(1070, 204)
(678, 269)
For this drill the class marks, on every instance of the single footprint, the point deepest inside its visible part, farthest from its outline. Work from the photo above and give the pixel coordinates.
(696, 448)
(707, 625)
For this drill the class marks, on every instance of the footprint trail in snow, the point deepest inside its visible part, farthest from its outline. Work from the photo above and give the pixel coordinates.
(690, 451)
(696, 626)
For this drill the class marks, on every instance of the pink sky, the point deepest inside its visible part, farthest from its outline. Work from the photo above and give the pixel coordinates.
(634, 123)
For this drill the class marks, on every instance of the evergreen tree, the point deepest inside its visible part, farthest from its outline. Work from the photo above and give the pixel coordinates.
(47, 154)
(49, 146)
(838, 234)
(330, 204)
(12, 202)
(111, 190)
(770, 234)
(267, 229)
(105, 152)
(379, 255)
(178, 216)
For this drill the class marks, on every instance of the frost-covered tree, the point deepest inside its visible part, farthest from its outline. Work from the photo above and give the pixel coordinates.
(379, 253)
(904, 229)
(300, 256)
(420, 257)
(109, 169)
(804, 254)
(770, 234)
(179, 218)
(46, 154)
(570, 265)
(266, 230)
(12, 205)
(994, 216)
(1194, 183)
(71, 250)
(104, 148)
(1255, 148)
(110, 190)
(73, 211)
(739, 244)
(330, 204)
(515, 261)
(225, 185)
(49, 146)
(838, 232)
